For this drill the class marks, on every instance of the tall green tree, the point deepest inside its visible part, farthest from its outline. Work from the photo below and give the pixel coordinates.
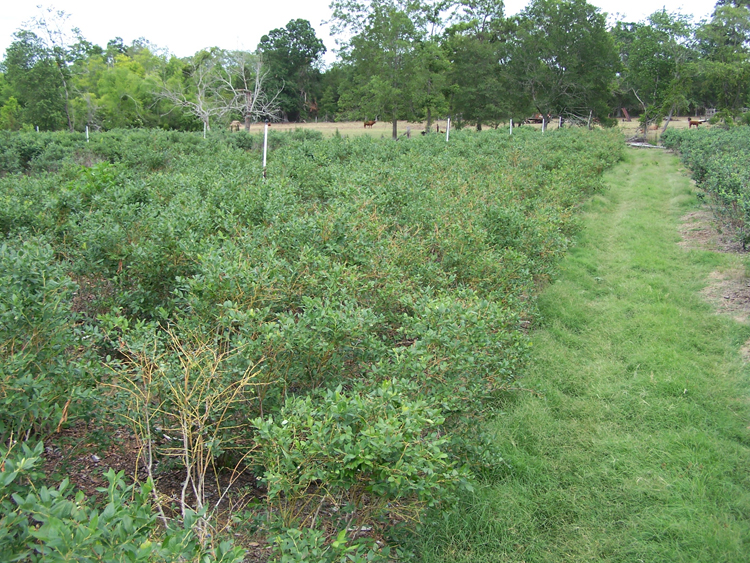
(125, 93)
(33, 81)
(723, 70)
(623, 34)
(50, 26)
(330, 84)
(293, 56)
(475, 45)
(11, 115)
(431, 81)
(562, 58)
(117, 87)
(656, 55)
(383, 53)
(86, 104)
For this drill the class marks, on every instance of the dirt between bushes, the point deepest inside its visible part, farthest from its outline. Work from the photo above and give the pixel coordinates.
(699, 230)
(728, 290)
(83, 453)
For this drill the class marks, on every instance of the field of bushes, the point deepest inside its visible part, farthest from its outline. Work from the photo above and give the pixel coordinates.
(718, 160)
(324, 342)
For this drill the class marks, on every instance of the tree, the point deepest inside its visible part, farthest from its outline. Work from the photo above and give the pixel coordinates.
(623, 35)
(383, 55)
(199, 90)
(723, 70)
(246, 77)
(293, 55)
(330, 85)
(117, 90)
(430, 81)
(39, 67)
(215, 83)
(475, 46)
(32, 79)
(562, 58)
(10, 115)
(115, 48)
(49, 25)
(655, 58)
(125, 93)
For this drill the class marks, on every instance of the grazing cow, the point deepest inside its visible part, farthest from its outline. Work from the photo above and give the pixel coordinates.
(370, 123)
(693, 122)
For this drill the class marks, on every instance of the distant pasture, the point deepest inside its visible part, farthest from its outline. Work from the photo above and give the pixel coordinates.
(384, 128)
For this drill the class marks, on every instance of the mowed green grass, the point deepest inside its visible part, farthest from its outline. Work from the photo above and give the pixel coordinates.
(636, 447)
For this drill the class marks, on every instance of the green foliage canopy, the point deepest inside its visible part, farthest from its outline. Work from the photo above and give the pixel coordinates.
(563, 59)
(293, 57)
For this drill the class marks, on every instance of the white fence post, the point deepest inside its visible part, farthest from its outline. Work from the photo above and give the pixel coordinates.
(265, 149)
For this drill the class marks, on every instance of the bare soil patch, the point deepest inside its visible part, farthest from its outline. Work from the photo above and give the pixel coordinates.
(83, 452)
(700, 231)
(697, 232)
(728, 290)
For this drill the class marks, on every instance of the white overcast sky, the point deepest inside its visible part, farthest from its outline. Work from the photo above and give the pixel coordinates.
(184, 28)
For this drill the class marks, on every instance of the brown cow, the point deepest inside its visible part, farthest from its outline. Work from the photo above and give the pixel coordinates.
(370, 123)
(693, 122)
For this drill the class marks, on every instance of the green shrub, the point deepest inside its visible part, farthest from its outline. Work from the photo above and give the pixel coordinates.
(355, 460)
(293, 545)
(44, 363)
(718, 161)
(38, 523)
(355, 263)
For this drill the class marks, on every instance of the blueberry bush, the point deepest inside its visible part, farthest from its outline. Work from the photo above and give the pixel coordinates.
(373, 297)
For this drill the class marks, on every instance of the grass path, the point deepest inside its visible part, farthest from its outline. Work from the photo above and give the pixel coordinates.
(638, 446)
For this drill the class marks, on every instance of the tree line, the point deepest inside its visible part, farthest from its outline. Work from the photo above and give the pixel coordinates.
(398, 60)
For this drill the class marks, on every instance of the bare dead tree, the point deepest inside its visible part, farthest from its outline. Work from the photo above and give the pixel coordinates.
(203, 94)
(244, 75)
(222, 82)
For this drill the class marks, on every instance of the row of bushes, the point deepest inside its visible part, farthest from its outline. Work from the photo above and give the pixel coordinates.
(149, 149)
(718, 160)
(274, 325)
